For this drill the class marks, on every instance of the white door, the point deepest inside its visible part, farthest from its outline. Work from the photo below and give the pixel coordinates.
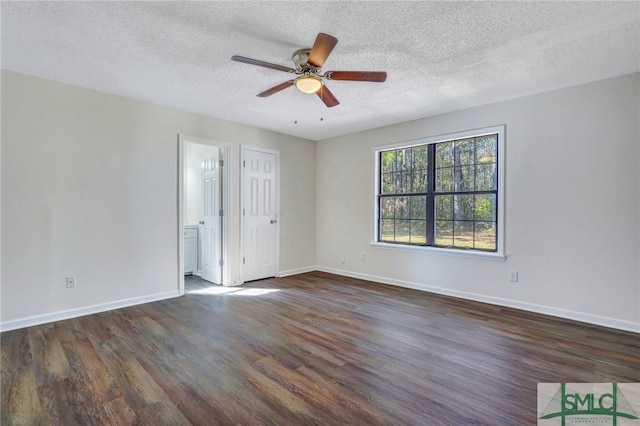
(212, 239)
(260, 218)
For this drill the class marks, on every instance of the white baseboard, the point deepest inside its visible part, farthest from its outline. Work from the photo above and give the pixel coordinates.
(297, 271)
(87, 310)
(547, 310)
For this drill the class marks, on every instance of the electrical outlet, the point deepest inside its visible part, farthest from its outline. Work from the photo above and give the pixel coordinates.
(363, 257)
(342, 259)
(71, 282)
(513, 276)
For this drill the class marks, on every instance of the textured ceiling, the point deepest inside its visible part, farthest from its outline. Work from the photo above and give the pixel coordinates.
(439, 56)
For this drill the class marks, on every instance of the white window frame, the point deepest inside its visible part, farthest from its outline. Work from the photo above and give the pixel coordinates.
(499, 254)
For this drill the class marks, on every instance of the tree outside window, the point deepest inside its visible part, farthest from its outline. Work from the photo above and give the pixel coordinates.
(440, 194)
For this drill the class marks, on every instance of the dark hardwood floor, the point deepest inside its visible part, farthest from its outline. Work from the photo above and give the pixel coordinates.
(312, 349)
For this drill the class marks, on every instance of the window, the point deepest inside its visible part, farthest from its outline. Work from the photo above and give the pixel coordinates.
(441, 192)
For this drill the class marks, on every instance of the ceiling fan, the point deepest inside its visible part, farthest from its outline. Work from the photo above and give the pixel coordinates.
(308, 64)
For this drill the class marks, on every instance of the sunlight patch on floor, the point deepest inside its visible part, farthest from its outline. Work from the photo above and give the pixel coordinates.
(233, 291)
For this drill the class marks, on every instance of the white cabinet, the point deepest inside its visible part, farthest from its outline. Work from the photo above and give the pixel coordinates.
(190, 249)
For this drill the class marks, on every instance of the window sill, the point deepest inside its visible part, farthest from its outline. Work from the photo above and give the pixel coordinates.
(436, 250)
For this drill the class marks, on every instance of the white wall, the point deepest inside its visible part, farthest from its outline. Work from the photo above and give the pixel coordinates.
(572, 206)
(89, 183)
(89, 188)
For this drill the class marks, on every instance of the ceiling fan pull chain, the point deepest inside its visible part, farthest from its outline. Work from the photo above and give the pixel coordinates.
(320, 105)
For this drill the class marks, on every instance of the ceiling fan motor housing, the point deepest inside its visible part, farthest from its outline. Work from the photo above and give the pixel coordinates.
(300, 58)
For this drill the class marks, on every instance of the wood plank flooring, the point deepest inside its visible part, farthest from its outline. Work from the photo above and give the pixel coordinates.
(312, 349)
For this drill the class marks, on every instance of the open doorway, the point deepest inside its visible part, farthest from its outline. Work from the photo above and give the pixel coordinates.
(203, 197)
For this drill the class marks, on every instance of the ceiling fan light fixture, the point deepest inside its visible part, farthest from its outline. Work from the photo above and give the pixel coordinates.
(308, 83)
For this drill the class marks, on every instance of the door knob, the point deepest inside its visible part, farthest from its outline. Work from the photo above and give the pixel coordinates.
(273, 221)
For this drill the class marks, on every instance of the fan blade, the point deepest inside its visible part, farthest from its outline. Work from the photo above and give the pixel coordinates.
(375, 76)
(275, 89)
(261, 63)
(327, 97)
(321, 49)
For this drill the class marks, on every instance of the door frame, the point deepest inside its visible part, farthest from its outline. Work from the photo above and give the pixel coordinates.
(244, 148)
(225, 148)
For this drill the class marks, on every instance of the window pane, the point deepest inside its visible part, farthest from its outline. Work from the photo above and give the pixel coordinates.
(444, 154)
(463, 234)
(403, 159)
(420, 157)
(403, 228)
(485, 208)
(418, 232)
(486, 177)
(464, 152)
(419, 207)
(387, 227)
(402, 208)
(444, 207)
(463, 207)
(403, 185)
(486, 151)
(485, 235)
(463, 196)
(388, 183)
(387, 206)
(463, 178)
(388, 161)
(444, 233)
(419, 181)
(444, 180)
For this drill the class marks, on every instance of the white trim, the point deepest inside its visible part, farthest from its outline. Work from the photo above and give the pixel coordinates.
(476, 254)
(180, 201)
(524, 306)
(545, 310)
(87, 310)
(502, 170)
(296, 271)
(481, 131)
(500, 130)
